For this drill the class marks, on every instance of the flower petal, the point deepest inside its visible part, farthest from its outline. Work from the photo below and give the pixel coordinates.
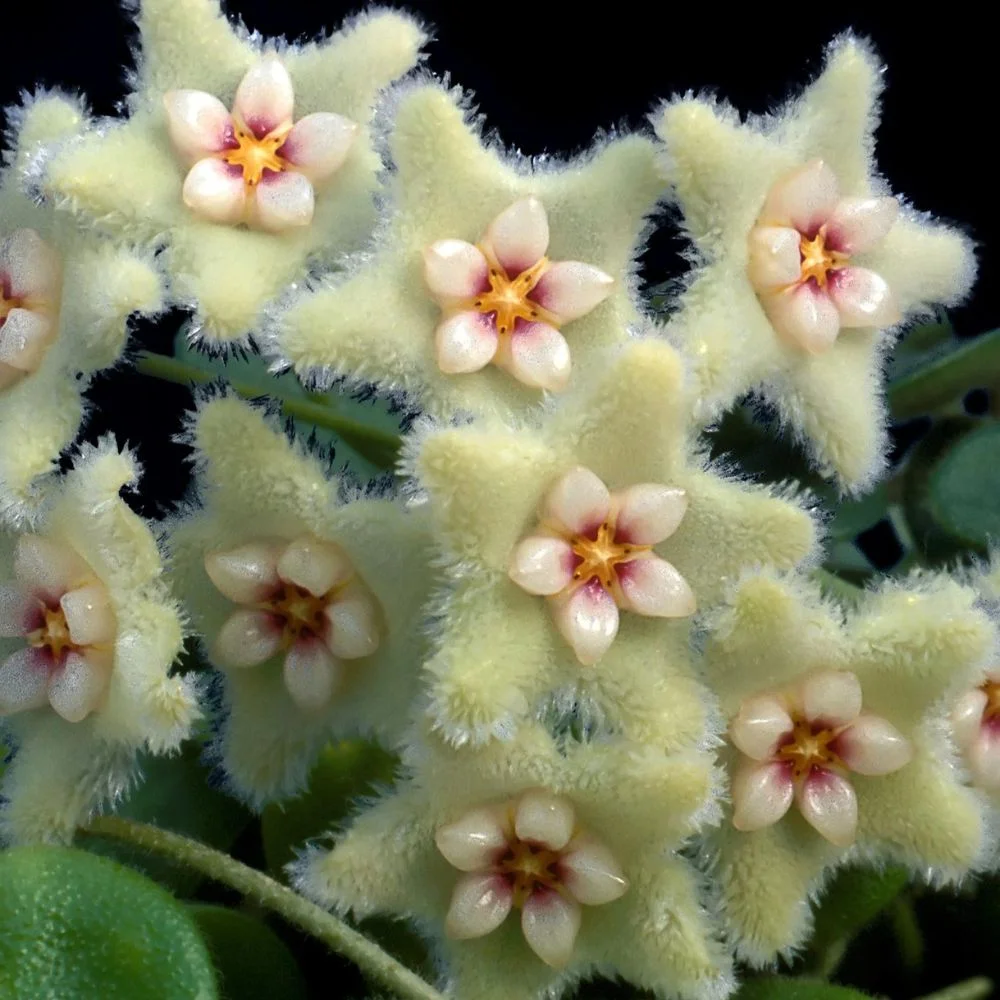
(215, 191)
(829, 805)
(653, 587)
(542, 564)
(265, 98)
(579, 501)
(759, 726)
(872, 745)
(858, 224)
(649, 512)
(550, 924)
(570, 289)
(48, 569)
(248, 637)
(315, 564)
(863, 298)
(831, 697)
(353, 627)
(804, 315)
(24, 679)
(283, 201)
(78, 687)
(312, 675)
(545, 819)
(774, 257)
(29, 267)
(319, 143)
(761, 794)
(24, 337)
(537, 355)
(591, 873)
(89, 615)
(198, 123)
(20, 612)
(473, 842)
(967, 716)
(587, 620)
(247, 574)
(519, 235)
(454, 269)
(984, 758)
(803, 199)
(479, 904)
(465, 343)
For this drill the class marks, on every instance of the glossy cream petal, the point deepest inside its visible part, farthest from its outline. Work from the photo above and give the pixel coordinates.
(649, 512)
(759, 726)
(862, 298)
(265, 99)
(519, 235)
(570, 289)
(591, 872)
(24, 679)
(545, 819)
(831, 697)
(246, 574)
(30, 266)
(465, 342)
(353, 627)
(762, 793)
(775, 260)
(454, 269)
(24, 338)
(542, 564)
(315, 565)
(804, 315)
(78, 687)
(588, 620)
(871, 745)
(89, 615)
(654, 587)
(967, 716)
(198, 123)
(550, 924)
(536, 354)
(312, 675)
(479, 904)
(47, 568)
(829, 805)
(248, 637)
(803, 199)
(319, 143)
(859, 224)
(578, 501)
(283, 201)
(473, 842)
(215, 191)
(20, 611)
(984, 759)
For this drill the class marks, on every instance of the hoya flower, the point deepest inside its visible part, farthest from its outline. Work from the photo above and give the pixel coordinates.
(247, 201)
(806, 264)
(976, 726)
(65, 300)
(88, 634)
(255, 166)
(504, 300)
(481, 258)
(845, 718)
(624, 504)
(531, 865)
(307, 595)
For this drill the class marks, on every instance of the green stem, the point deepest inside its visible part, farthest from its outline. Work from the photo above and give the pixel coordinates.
(968, 989)
(381, 447)
(346, 941)
(974, 364)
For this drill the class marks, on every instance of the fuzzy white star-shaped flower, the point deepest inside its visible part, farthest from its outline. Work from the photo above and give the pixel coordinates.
(295, 160)
(847, 719)
(65, 300)
(804, 262)
(88, 634)
(630, 519)
(481, 258)
(307, 593)
(580, 839)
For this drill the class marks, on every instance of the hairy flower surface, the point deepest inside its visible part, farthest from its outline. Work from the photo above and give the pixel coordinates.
(127, 176)
(580, 837)
(803, 260)
(499, 654)
(555, 242)
(865, 755)
(65, 299)
(88, 634)
(308, 596)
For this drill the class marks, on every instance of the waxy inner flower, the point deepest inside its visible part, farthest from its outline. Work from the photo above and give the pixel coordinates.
(800, 258)
(504, 300)
(976, 724)
(300, 597)
(527, 853)
(62, 611)
(255, 166)
(593, 554)
(801, 744)
(29, 303)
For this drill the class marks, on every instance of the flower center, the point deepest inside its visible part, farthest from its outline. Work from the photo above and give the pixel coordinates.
(601, 554)
(507, 297)
(302, 612)
(529, 867)
(817, 260)
(53, 635)
(7, 304)
(809, 746)
(253, 156)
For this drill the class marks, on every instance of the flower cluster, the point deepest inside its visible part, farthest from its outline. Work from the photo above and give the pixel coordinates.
(623, 707)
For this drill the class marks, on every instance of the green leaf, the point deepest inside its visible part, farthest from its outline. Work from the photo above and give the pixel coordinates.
(251, 960)
(789, 988)
(73, 925)
(851, 517)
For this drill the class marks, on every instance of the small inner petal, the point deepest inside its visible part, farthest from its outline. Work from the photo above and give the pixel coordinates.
(247, 574)
(265, 98)
(479, 904)
(588, 620)
(454, 269)
(649, 512)
(315, 565)
(759, 726)
(473, 842)
(353, 627)
(829, 805)
(519, 235)
(48, 569)
(89, 615)
(77, 689)
(283, 201)
(804, 315)
(803, 199)
(215, 190)
(967, 716)
(550, 924)
(545, 819)
(247, 638)
(570, 289)
(536, 354)
(24, 679)
(198, 123)
(871, 745)
(859, 224)
(579, 501)
(591, 873)
(319, 143)
(652, 586)
(984, 759)
(542, 564)
(774, 257)
(24, 338)
(30, 267)
(832, 698)
(20, 612)
(312, 675)
(863, 298)
(762, 793)
(465, 342)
